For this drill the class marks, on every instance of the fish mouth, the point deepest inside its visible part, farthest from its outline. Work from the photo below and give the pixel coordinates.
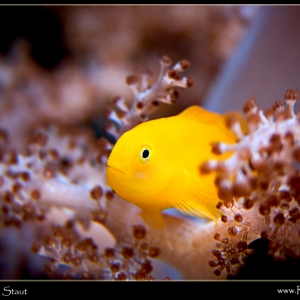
(114, 175)
(114, 169)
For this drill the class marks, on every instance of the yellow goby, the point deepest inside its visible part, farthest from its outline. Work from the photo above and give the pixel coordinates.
(156, 164)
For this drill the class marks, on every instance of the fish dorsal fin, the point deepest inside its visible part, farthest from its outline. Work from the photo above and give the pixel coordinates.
(200, 114)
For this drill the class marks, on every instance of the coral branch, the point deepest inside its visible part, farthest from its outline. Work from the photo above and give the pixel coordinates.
(63, 167)
(147, 97)
(262, 176)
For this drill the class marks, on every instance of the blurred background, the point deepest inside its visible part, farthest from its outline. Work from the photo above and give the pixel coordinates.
(104, 44)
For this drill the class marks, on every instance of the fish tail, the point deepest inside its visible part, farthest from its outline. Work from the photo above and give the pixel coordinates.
(236, 116)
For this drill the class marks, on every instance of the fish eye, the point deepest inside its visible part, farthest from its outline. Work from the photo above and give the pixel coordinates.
(145, 155)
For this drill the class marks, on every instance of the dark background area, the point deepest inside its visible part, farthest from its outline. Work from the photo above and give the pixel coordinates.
(41, 27)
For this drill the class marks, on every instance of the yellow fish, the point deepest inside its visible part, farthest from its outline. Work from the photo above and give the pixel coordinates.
(156, 164)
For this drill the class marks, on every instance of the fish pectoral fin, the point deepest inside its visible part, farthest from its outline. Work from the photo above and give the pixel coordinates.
(153, 219)
(195, 208)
